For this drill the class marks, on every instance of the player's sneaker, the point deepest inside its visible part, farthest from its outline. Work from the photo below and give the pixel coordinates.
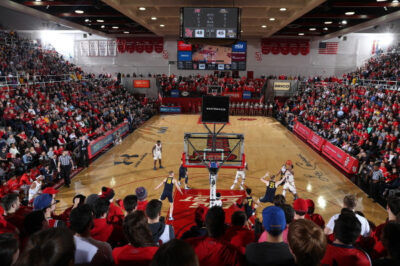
(155, 168)
(170, 218)
(233, 186)
(187, 187)
(161, 166)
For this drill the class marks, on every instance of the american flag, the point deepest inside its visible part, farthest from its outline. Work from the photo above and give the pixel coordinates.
(328, 47)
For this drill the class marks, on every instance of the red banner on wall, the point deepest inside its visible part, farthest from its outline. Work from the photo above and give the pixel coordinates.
(140, 44)
(285, 46)
(141, 83)
(302, 130)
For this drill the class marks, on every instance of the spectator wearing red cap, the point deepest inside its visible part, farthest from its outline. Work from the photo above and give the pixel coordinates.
(141, 248)
(199, 229)
(238, 234)
(300, 208)
(141, 194)
(342, 252)
(274, 251)
(115, 213)
(315, 217)
(212, 249)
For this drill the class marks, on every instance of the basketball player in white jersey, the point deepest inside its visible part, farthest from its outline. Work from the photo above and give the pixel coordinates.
(157, 149)
(240, 173)
(289, 182)
(284, 168)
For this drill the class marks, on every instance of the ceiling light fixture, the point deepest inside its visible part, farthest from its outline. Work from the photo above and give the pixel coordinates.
(283, 9)
(312, 29)
(328, 22)
(344, 22)
(79, 11)
(115, 27)
(272, 19)
(102, 26)
(263, 26)
(395, 1)
(153, 18)
(162, 25)
(126, 32)
(87, 20)
(100, 20)
(301, 33)
(350, 13)
(142, 8)
(325, 28)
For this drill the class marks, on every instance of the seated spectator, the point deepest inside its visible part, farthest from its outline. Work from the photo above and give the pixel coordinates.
(101, 230)
(115, 214)
(349, 202)
(342, 252)
(160, 231)
(300, 207)
(289, 217)
(274, 251)
(199, 229)
(130, 204)
(175, 253)
(77, 200)
(390, 239)
(88, 251)
(33, 222)
(239, 234)
(141, 247)
(9, 250)
(212, 249)
(315, 217)
(11, 204)
(141, 194)
(307, 242)
(50, 247)
(47, 204)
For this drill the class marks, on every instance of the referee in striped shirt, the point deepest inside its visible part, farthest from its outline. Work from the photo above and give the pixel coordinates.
(65, 164)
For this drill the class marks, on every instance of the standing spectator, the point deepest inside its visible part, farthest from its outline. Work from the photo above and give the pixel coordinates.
(51, 247)
(88, 251)
(238, 235)
(161, 232)
(65, 164)
(141, 247)
(212, 249)
(307, 242)
(83, 145)
(9, 250)
(349, 202)
(175, 253)
(274, 251)
(342, 252)
(375, 182)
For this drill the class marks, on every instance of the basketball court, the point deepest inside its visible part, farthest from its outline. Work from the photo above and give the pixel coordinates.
(267, 146)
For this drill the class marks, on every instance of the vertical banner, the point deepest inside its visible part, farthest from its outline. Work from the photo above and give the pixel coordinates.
(93, 48)
(84, 48)
(112, 48)
(103, 48)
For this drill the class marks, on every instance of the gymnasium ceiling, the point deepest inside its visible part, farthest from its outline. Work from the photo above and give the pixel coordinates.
(260, 18)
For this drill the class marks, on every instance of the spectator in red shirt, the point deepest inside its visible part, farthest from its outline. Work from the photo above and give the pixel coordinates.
(11, 204)
(238, 235)
(141, 194)
(342, 252)
(390, 239)
(212, 249)
(315, 217)
(175, 253)
(141, 247)
(101, 230)
(307, 242)
(115, 213)
(130, 204)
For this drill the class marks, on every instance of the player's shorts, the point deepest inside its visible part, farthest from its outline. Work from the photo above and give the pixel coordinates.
(241, 174)
(167, 195)
(157, 156)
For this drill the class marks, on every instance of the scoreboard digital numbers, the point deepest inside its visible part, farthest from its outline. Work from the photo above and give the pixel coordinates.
(210, 23)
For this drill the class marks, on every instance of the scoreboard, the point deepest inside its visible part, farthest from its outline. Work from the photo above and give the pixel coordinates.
(210, 23)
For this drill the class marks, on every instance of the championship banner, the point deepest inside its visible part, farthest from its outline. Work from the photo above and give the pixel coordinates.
(140, 44)
(281, 86)
(84, 48)
(101, 143)
(285, 46)
(112, 48)
(102, 48)
(93, 48)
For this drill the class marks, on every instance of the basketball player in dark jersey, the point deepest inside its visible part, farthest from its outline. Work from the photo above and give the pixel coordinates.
(248, 204)
(169, 183)
(271, 188)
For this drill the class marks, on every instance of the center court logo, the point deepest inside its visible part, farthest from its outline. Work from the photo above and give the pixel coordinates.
(196, 201)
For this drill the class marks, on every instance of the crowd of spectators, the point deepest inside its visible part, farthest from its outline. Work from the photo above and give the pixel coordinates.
(39, 120)
(101, 230)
